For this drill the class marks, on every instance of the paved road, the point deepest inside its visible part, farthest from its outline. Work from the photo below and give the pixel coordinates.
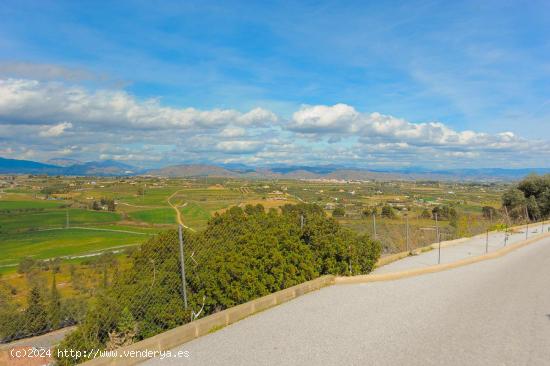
(472, 247)
(495, 312)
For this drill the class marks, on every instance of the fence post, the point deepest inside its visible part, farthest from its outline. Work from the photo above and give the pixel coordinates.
(438, 240)
(487, 242)
(183, 284)
(505, 235)
(407, 219)
(374, 224)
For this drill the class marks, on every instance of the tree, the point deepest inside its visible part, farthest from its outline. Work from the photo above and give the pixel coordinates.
(54, 308)
(339, 212)
(26, 265)
(489, 212)
(111, 205)
(426, 214)
(10, 319)
(445, 212)
(388, 212)
(514, 202)
(36, 318)
(533, 210)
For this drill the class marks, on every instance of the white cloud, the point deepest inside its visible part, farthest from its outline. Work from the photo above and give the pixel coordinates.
(56, 130)
(233, 132)
(320, 119)
(342, 119)
(34, 102)
(115, 125)
(239, 147)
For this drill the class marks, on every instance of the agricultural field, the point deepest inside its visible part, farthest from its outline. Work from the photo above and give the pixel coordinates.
(76, 218)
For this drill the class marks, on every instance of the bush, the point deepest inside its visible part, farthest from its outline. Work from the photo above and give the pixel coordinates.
(388, 212)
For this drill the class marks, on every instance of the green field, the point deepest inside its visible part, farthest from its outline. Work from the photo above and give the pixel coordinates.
(53, 243)
(155, 216)
(24, 221)
(36, 204)
(194, 215)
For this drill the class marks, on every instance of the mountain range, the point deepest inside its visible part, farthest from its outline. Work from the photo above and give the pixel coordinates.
(116, 168)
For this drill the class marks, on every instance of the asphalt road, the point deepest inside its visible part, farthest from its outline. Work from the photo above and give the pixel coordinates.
(471, 247)
(495, 312)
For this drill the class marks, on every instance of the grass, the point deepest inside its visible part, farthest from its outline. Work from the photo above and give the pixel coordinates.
(155, 216)
(18, 205)
(194, 215)
(60, 243)
(26, 221)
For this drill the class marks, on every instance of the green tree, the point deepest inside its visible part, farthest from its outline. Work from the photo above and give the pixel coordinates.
(388, 212)
(54, 306)
(533, 209)
(36, 318)
(339, 212)
(426, 214)
(489, 212)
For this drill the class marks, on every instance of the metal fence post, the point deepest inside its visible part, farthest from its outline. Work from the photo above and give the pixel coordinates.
(408, 246)
(374, 224)
(505, 235)
(183, 284)
(438, 240)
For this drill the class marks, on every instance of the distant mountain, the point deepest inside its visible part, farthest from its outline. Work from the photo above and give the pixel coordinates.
(116, 168)
(105, 167)
(14, 166)
(63, 162)
(101, 168)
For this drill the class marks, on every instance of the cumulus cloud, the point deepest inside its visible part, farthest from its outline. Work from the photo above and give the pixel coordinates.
(113, 124)
(239, 147)
(342, 119)
(35, 102)
(232, 131)
(55, 130)
(339, 118)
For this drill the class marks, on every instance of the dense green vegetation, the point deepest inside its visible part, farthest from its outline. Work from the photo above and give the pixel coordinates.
(529, 199)
(241, 255)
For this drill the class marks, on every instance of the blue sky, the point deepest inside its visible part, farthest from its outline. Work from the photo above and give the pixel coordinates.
(370, 84)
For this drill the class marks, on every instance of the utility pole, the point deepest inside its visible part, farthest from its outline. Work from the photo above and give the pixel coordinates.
(487, 242)
(374, 224)
(183, 284)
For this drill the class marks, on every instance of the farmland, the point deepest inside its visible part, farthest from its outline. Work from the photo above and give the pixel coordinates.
(49, 217)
